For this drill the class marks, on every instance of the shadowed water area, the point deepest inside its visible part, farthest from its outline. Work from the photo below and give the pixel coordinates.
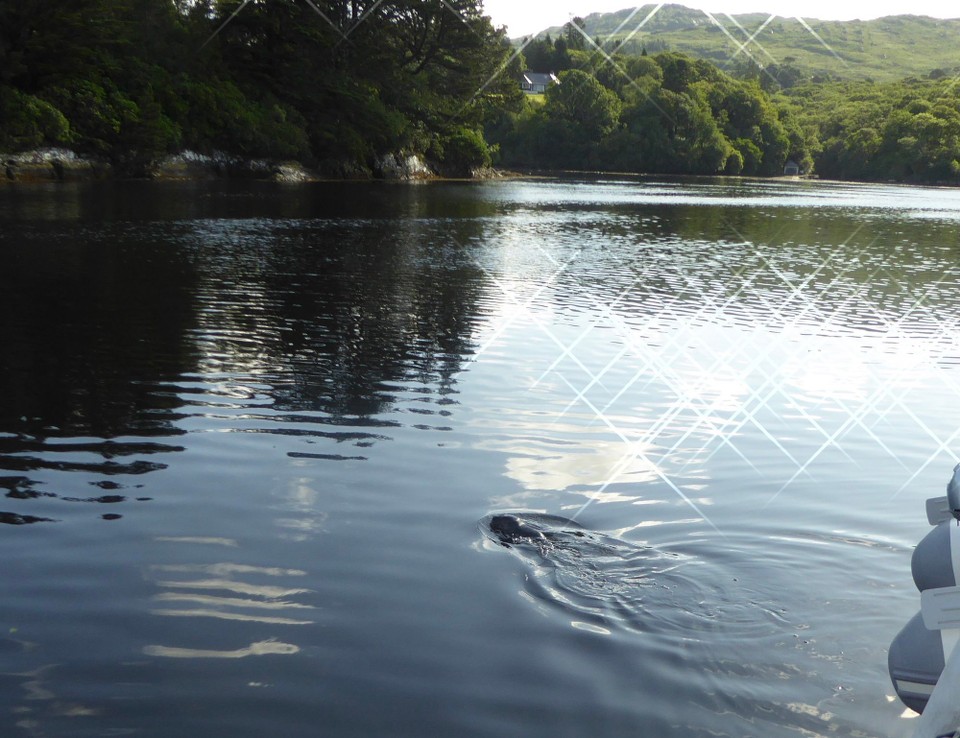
(545, 458)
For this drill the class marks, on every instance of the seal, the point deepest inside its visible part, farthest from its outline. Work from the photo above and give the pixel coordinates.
(511, 529)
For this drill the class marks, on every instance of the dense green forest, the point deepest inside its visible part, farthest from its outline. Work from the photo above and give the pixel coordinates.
(669, 113)
(666, 113)
(907, 131)
(328, 82)
(337, 83)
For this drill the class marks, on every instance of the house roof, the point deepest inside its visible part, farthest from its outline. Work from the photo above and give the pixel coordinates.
(540, 78)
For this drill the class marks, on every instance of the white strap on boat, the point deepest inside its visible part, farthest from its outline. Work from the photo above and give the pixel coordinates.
(940, 608)
(938, 510)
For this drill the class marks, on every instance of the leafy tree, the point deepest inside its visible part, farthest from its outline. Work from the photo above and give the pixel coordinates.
(100, 113)
(643, 66)
(574, 34)
(464, 151)
(581, 99)
(679, 72)
(29, 122)
(39, 42)
(539, 55)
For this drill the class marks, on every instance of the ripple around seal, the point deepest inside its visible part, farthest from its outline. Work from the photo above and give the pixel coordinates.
(607, 583)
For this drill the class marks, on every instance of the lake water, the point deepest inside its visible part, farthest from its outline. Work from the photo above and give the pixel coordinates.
(251, 437)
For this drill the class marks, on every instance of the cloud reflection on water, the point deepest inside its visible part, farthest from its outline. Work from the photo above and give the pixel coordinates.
(228, 592)
(649, 356)
(261, 648)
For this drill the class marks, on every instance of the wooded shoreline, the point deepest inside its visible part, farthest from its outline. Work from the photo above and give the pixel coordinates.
(429, 89)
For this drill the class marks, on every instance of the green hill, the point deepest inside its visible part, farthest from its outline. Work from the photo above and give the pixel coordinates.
(888, 48)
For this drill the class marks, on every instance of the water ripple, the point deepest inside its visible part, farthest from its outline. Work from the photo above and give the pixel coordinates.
(613, 584)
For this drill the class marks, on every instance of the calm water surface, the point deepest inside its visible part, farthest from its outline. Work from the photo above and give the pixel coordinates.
(251, 436)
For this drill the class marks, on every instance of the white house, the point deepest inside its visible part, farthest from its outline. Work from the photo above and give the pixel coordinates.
(536, 83)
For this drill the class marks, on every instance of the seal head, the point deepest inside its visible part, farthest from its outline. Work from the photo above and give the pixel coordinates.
(511, 529)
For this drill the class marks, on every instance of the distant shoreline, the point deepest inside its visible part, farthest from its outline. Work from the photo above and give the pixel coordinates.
(65, 165)
(46, 166)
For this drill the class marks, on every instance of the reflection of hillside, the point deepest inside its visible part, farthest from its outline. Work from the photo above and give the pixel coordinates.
(336, 297)
(334, 314)
(88, 322)
(92, 321)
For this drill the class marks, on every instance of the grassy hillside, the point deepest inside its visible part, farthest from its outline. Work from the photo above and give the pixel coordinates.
(884, 49)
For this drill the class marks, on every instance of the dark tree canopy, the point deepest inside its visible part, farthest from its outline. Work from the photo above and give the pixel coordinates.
(317, 80)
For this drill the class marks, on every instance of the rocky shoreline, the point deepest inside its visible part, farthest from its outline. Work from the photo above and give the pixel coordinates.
(65, 165)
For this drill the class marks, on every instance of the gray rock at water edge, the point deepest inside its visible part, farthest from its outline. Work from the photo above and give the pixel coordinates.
(52, 165)
(401, 166)
(193, 165)
(55, 164)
